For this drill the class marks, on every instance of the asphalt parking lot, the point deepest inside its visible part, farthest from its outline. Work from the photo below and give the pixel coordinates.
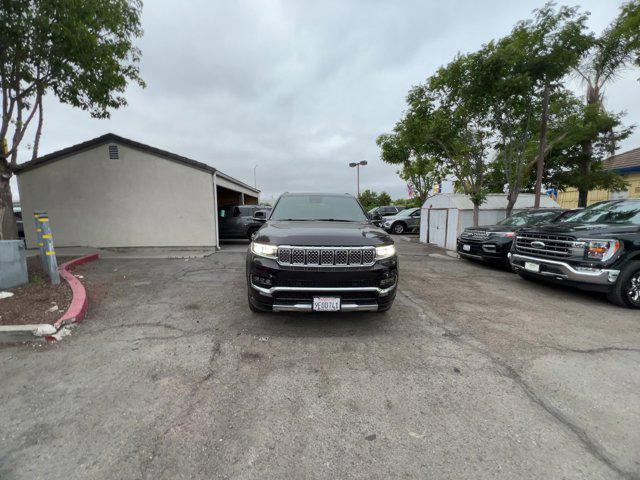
(474, 373)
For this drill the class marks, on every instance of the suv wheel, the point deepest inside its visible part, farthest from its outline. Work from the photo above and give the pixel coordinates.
(626, 291)
(398, 228)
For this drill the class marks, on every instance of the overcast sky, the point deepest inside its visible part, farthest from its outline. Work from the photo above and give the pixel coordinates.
(299, 88)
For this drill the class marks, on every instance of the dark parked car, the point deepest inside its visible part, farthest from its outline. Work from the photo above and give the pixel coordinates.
(237, 221)
(320, 252)
(492, 243)
(406, 221)
(385, 212)
(17, 211)
(597, 249)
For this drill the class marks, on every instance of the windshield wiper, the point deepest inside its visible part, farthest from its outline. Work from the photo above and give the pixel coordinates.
(333, 220)
(291, 219)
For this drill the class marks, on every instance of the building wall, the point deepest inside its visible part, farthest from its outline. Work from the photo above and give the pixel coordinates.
(569, 198)
(138, 200)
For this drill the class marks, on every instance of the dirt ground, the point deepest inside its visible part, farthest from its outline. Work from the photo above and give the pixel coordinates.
(37, 301)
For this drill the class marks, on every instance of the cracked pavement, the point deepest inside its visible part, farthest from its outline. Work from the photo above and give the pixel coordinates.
(474, 373)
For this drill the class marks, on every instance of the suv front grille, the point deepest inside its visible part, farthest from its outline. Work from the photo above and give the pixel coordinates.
(545, 245)
(327, 256)
(475, 235)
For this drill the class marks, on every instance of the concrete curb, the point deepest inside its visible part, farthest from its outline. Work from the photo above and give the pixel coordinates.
(74, 314)
(79, 303)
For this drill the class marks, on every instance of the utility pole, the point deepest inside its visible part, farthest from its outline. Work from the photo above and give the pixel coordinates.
(255, 183)
(357, 166)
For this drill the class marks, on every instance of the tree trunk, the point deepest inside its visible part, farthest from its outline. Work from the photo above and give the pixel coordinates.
(8, 227)
(542, 147)
(512, 196)
(36, 141)
(585, 170)
(476, 214)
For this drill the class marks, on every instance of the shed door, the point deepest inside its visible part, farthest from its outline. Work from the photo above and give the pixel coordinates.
(438, 227)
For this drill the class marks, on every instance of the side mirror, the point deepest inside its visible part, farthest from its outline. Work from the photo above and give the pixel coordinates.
(375, 217)
(260, 216)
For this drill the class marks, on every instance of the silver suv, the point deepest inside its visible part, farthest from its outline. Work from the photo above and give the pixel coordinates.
(406, 221)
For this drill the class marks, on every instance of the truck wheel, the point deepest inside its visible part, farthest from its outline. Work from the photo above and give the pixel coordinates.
(626, 291)
(398, 228)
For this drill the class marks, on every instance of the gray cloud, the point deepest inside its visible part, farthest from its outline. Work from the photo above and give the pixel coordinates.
(299, 88)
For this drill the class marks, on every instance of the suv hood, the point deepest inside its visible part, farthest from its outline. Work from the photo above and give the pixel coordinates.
(493, 228)
(322, 234)
(586, 230)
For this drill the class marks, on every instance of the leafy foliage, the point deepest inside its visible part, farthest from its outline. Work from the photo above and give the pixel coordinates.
(370, 199)
(82, 52)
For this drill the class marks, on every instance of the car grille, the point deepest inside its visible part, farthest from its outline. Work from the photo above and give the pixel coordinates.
(327, 256)
(545, 245)
(475, 235)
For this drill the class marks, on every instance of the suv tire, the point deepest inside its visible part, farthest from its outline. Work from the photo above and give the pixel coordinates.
(623, 293)
(398, 228)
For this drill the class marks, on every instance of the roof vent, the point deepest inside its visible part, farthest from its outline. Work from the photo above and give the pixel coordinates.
(113, 152)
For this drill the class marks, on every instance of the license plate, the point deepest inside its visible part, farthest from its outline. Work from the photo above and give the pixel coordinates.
(532, 267)
(326, 304)
(466, 248)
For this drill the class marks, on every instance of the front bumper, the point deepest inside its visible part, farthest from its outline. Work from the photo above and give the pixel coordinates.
(487, 251)
(293, 289)
(565, 272)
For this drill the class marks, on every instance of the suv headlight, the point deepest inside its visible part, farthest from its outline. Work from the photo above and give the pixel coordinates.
(503, 234)
(385, 252)
(601, 250)
(264, 250)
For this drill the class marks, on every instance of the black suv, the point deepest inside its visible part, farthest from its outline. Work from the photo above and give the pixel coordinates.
(492, 243)
(320, 252)
(597, 248)
(237, 221)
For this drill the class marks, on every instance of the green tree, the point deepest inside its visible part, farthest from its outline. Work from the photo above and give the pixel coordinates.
(80, 52)
(618, 46)
(370, 199)
(403, 147)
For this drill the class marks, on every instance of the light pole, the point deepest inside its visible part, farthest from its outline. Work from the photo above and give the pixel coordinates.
(255, 183)
(357, 165)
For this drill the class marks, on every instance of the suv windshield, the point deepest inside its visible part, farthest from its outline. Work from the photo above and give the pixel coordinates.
(529, 218)
(318, 207)
(608, 212)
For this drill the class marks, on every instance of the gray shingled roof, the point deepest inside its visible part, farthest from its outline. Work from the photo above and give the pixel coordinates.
(630, 159)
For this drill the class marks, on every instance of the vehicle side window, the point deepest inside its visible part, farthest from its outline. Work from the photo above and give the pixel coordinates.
(246, 211)
(236, 212)
(416, 213)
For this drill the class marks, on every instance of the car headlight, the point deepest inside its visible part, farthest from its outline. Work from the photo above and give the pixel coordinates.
(385, 252)
(601, 250)
(503, 234)
(264, 250)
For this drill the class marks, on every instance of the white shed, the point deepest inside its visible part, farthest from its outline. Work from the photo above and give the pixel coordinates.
(446, 215)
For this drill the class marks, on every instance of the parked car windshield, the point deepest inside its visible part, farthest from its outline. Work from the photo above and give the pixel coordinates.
(609, 212)
(525, 218)
(408, 212)
(318, 207)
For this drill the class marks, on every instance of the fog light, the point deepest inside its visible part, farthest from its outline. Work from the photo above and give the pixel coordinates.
(387, 282)
(261, 281)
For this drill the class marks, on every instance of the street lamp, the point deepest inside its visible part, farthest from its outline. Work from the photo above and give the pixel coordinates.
(357, 165)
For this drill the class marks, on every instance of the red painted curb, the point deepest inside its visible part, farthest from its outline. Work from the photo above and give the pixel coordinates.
(79, 302)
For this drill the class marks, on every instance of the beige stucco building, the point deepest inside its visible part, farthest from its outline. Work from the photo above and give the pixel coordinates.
(115, 192)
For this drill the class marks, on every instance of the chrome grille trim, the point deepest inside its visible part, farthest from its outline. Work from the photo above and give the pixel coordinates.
(555, 246)
(475, 235)
(293, 255)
